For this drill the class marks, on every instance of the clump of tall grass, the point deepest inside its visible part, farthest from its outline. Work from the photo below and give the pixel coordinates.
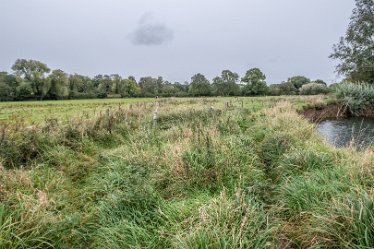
(355, 97)
(348, 223)
(311, 192)
(21, 145)
(217, 159)
(301, 160)
(17, 232)
(190, 117)
(273, 146)
(228, 222)
(22, 148)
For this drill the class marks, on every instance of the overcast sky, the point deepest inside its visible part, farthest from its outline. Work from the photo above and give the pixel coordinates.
(175, 38)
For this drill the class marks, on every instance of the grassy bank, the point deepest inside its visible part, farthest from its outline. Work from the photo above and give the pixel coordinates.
(207, 173)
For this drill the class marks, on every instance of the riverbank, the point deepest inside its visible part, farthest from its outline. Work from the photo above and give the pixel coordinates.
(333, 111)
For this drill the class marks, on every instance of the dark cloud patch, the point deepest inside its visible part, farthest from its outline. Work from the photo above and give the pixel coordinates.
(150, 32)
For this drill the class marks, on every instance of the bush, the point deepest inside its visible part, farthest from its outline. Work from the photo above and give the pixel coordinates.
(313, 89)
(274, 90)
(356, 97)
(285, 88)
(5, 92)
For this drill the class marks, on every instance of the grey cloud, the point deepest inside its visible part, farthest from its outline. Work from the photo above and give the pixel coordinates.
(150, 32)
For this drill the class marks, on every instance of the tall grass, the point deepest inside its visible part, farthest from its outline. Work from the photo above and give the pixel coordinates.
(196, 177)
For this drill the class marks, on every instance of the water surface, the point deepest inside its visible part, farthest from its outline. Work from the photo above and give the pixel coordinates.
(343, 132)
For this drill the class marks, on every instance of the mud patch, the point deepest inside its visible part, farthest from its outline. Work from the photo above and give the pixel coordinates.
(319, 113)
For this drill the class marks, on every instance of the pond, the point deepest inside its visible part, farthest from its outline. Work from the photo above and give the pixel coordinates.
(343, 132)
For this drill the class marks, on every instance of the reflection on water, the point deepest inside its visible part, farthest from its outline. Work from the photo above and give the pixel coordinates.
(342, 132)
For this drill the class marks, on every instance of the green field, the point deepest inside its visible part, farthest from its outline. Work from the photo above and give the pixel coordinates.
(179, 173)
(40, 111)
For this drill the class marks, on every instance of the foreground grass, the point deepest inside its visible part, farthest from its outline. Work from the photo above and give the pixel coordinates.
(208, 173)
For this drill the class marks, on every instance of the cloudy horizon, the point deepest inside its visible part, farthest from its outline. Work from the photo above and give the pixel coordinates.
(176, 39)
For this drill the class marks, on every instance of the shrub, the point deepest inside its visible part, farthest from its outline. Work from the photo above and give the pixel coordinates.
(313, 89)
(285, 88)
(356, 97)
(274, 90)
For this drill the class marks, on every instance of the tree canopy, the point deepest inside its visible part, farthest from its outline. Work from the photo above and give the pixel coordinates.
(226, 85)
(355, 51)
(255, 82)
(59, 84)
(199, 86)
(34, 73)
(298, 81)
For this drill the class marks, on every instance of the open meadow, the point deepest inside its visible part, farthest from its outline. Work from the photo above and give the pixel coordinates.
(245, 172)
(40, 111)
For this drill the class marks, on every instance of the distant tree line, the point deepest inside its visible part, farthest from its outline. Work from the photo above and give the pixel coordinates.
(34, 80)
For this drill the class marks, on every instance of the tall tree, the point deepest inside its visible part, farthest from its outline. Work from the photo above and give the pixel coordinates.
(80, 86)
(5, 88)
(319, 81)
(199, 86)
(298, 81)
(255, 82)
(287, 88)
(182, 89)
(59, 84)
(129, 87)
(24, 91)
(34, 73)
(116, 83)
(9, 84)
(226, 84)
(149, 86)
(167, 89)
(104, 85)
(159, 86)
(356, 50)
